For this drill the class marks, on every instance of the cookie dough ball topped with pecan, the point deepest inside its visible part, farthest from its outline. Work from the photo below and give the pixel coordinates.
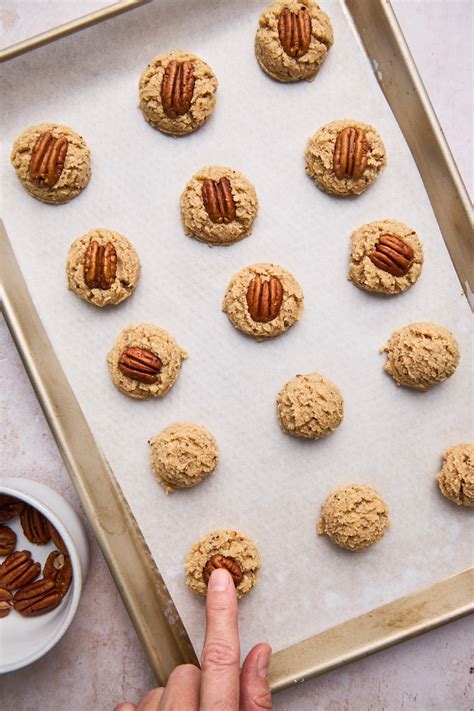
(386, 257)
(177, 93)
(293, 39)
(421, 355)
(354, 517)
(218, 206)
(182, 455)
(345, 157)
(456, 478)
(310, 406)
(52, 162)
(102, 267)
(263, 300)
(222, 548)
(145, 361)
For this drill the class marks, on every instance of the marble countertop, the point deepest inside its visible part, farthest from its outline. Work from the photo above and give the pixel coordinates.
(99, 661)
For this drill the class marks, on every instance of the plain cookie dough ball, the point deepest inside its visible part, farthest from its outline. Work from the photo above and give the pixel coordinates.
(222, 548)
(177, 93)
(293, 39)
(310, 406)
(345, 157)
(354, 517)
(182, 455)
(52, 162)
(456, 478)
(421, 355)
(263, 300)
(218, 206)
(386, 257)
(145, 361)
(102, 267)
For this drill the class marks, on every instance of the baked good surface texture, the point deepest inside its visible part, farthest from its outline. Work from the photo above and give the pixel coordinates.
(345, 157)
(354, 517)
(310, 406)
(177, 92)
(145, 361)
(421, 355)
(218, 206)
(52, 162)
(263, 300)
(182, 455)
(232, 545)
(456, 478)
(386, 257)
(293, 40)
(102, 267)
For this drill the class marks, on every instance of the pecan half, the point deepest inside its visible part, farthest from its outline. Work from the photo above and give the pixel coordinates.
(294, 31)
(37, 598)
(35, 526)
(48, 158)
(140, 364)
(100, 265)
(7, 540)
(56, 538)
(392, 255)
(350, 153)
(264, 299)
(59, 569)
(177, 88)
(6, 601)
(18, 570)
(10, 507)
(220, 561)
(218, 200)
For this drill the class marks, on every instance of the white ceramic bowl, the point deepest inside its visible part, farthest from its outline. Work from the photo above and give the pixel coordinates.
(26, 639)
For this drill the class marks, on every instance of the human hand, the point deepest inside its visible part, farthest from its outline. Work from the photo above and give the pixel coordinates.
(219, 685)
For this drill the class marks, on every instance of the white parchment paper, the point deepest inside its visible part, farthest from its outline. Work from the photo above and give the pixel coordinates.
(268, 485)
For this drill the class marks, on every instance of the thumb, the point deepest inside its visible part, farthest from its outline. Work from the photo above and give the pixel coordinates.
(254, 687)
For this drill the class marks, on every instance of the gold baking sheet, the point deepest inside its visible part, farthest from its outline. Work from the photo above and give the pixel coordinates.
(106, 507)
(151, 609)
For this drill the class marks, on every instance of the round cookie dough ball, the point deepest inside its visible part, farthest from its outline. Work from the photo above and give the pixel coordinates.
(222, 548)
(218, 206)
(177, 93)
(52, 162)
(145, 361)
(263, 300)
(310, 406)
(102, 267)
(345, 157)
(182, 455)
(421, 355)
(354, 517)
(456, 478)
(293, 39)
(386, 257)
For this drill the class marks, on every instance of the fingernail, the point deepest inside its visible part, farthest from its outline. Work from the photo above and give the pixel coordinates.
(263, 662)
(219, 580)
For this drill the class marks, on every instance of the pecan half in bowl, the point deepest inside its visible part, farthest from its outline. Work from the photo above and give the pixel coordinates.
(24, 638)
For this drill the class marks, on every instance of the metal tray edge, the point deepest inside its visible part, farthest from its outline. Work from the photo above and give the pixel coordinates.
(402, 619)
(68, 28)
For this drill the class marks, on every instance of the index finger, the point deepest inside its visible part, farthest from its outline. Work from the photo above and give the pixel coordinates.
(220, 660)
